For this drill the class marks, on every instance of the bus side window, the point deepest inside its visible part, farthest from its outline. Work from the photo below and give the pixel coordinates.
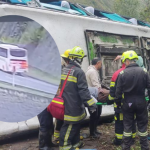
(3, 52)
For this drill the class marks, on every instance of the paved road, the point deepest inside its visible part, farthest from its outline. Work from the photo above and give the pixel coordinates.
(29, 83)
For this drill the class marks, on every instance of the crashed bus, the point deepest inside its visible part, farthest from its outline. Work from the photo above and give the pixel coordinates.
(97, 35)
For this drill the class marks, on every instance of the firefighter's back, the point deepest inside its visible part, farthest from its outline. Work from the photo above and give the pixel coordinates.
(74, 107)
(134, 81)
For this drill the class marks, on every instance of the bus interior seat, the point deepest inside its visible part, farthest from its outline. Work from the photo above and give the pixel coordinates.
(65, 4)
(90, 9)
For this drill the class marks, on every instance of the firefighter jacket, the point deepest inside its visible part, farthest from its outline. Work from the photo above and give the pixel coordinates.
(112, 97)
(76, 94)
(132, 82)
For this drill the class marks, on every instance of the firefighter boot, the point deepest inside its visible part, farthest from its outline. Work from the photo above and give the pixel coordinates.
(45, 141)
(50, 143)
(96, 131)
(77, 146)
(93, 135)
(117, 141)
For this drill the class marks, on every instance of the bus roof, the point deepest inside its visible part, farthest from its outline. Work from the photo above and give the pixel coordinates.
(8, 46)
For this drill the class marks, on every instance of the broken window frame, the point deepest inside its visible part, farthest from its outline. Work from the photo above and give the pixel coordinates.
(100, 53)
(146, 52)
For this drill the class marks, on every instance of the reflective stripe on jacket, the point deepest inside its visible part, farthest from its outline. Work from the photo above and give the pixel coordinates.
(76, 94)
(112, 96)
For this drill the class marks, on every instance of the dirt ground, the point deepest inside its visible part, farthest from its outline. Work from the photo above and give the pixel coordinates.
(30, 142)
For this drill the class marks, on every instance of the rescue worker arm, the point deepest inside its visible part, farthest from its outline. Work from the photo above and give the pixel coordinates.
(110, 99)
(118, 57)
(119, 86)
(111, 96)
(84, 91)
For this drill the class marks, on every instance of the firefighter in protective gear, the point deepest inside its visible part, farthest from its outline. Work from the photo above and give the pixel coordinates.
(76, 96)
(46, 121)
(118, 110)
(132, 83)
(65, 59)
(59, 123)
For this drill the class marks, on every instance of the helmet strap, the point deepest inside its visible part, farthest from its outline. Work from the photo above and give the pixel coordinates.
(78, 61)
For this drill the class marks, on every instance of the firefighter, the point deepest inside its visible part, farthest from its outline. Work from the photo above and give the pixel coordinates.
(132, 83)
(46, 121)
(76, 95)
(59, 123)
(118, 110)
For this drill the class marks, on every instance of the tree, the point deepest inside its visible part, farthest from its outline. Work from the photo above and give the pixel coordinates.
(145, 13)
(128, 8)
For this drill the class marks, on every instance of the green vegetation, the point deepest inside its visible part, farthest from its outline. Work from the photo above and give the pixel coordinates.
(33, 35)
(38, 74)
(139, 9)
(106, 5)
(29, 36)
(91, 51)
(145, 13)
(110, 39)
(127, 41)
(127, 8)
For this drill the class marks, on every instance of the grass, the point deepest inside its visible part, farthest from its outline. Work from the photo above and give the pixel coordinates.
(30, 35)
(26, 90)
(38, 74)
(105, 5)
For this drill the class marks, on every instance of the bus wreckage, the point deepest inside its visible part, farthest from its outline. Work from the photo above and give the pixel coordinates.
(98, 34)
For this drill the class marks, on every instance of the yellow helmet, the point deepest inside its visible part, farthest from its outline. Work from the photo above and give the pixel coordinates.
(77, 52)
(66, 53)
(129, 55)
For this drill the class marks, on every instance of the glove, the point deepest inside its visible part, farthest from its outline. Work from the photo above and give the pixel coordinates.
(110, 102)
(92, 108)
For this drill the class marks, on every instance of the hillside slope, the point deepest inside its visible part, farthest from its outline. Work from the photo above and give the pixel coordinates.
(106, 5)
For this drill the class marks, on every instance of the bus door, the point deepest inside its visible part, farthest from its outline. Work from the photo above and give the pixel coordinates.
(145, 44)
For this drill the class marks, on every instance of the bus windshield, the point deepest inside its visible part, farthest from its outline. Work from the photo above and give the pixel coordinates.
(17, 53)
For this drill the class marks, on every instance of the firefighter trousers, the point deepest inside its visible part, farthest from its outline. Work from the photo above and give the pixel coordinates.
(94, 120)
(138, 106)
(69, 136)
(46, 121)
(119, 126)
(59, 124)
